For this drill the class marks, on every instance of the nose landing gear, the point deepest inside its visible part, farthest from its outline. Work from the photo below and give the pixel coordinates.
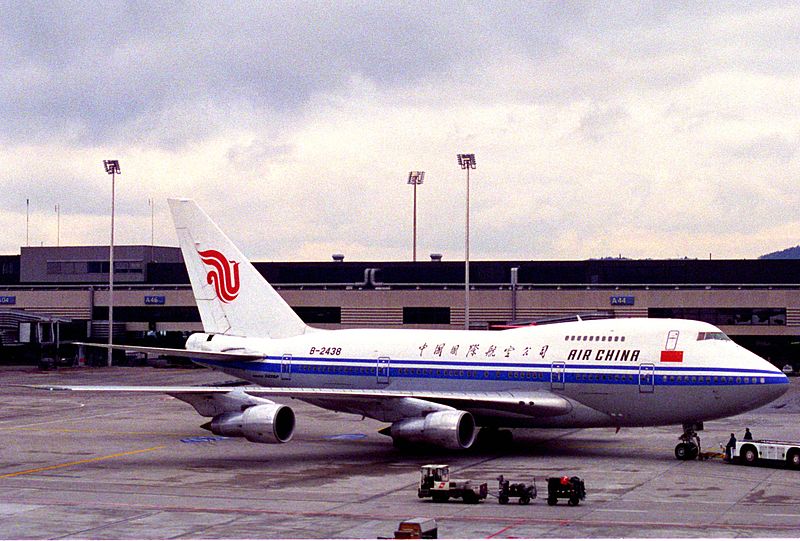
(689, 447)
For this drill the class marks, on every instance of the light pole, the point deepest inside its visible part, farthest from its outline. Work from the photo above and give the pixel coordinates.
(112, 168)
(27, 222)
(466, 161)
(415, 178)
(58, 225)
(152, 204)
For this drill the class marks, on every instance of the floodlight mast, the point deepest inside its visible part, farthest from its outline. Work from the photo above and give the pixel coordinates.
(415, 178)
(112, 168)
(466, 161)
(152, 203)
(58, 225)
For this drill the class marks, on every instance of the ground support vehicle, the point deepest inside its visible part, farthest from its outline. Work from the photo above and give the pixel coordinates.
(567, 488)
(435, 483)
(508, 490)
(417, 528)
(751, 452)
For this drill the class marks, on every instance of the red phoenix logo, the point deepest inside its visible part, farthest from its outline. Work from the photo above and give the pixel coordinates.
(224, 274)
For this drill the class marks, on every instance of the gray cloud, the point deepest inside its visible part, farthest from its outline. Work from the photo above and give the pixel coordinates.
(773, 147)
(578, 107)
(85, 71)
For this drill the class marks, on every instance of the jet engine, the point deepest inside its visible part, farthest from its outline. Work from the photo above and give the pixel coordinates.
(265, 423)
(452, 429)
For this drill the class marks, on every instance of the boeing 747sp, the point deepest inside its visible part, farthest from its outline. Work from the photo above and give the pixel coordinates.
(443, 387)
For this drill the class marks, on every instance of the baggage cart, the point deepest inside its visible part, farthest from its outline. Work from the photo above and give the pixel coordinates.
(567, 488)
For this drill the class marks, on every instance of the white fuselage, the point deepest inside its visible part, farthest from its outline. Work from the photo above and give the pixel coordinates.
(614, 372)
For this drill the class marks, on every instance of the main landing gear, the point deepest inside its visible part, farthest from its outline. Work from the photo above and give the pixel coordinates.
(494, 438)
(689, 447)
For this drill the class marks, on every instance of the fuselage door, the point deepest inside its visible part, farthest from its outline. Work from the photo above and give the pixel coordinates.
(382, 370)
(647, 378)
(672, 340)
(286, 367)
(557, 370)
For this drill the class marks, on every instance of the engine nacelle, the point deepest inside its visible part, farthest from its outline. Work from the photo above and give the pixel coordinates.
(449, 429)
(266, 423)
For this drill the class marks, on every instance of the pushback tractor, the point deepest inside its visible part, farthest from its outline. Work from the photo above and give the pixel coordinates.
(752, 452)
(435, 483)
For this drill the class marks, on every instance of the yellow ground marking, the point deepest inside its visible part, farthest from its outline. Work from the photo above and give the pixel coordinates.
(89, 431)
(77, 462)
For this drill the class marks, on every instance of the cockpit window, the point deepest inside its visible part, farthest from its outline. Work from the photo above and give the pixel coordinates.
(712, 336)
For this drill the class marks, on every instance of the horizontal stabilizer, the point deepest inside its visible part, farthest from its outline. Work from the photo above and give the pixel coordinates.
(223, 356)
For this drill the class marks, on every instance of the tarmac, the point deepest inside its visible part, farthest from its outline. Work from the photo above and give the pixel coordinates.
(138, 466)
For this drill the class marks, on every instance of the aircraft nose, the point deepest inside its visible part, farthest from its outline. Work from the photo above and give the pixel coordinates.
(774, 383)
(782, 384)
(777, 382)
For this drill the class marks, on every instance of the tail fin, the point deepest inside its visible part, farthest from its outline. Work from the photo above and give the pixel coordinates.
(232, 296)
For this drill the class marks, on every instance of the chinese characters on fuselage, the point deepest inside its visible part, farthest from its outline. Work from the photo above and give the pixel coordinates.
(476, 350)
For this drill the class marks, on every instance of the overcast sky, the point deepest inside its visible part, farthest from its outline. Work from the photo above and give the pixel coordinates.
(647, 130)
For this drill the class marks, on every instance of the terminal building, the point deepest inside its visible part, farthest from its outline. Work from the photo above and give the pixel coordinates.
(58, 294)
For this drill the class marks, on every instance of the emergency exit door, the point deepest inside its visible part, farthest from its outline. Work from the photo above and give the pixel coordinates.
(382, 370)
(557, 370)
(647, 378)
(672, 340)
(286, 367)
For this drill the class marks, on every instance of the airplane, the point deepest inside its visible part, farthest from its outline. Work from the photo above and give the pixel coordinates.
(444, 388)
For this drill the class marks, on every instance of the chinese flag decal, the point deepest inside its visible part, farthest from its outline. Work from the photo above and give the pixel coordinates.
(671, 356)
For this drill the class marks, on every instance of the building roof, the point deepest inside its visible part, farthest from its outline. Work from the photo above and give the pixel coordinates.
(165, 266)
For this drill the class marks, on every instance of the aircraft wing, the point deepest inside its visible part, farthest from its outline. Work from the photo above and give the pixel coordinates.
(367, 401)
(230, 355)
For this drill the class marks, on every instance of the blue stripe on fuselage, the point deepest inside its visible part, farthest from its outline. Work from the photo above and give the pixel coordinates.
(592, 374)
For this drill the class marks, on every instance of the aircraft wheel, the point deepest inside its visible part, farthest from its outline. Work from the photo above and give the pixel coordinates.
(493, 438)
(403, 445)
(682, 451)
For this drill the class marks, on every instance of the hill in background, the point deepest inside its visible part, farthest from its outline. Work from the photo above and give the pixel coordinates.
(788, 253)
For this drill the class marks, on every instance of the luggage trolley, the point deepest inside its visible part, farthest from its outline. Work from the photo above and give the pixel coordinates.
(507, 490)
(567, 488)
